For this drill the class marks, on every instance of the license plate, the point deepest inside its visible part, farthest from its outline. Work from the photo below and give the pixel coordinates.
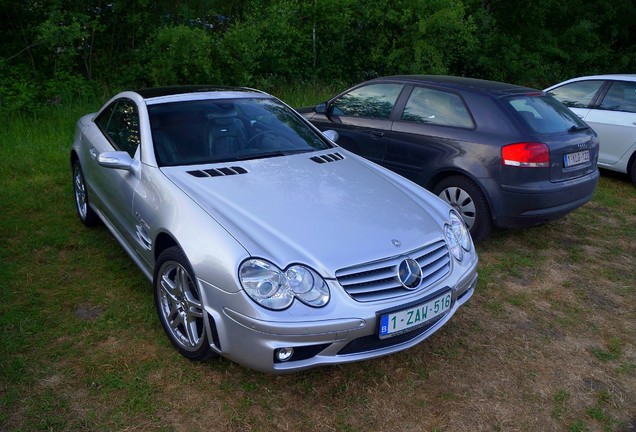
(395, 323)
(576, 158)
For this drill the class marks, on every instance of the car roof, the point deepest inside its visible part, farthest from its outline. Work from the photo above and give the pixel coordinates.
(463, 83)
(604, 77)
(623, 77)
(195, 92)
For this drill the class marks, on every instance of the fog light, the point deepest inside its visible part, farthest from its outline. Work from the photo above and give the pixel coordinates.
(284, 354)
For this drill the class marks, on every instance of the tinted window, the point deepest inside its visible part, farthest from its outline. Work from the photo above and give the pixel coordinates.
(372, 101)
(198, 132)
(544, 114)
(620, 97)
(120, 122)
(104, 118)
(577, 94)
(436, 107)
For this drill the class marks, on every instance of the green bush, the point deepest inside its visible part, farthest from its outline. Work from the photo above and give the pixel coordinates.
(272, 44)
(180, 55)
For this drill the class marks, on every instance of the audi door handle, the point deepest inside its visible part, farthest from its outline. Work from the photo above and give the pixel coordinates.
(377, 134)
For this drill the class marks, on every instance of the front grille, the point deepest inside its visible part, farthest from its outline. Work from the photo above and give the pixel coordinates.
(378, 280)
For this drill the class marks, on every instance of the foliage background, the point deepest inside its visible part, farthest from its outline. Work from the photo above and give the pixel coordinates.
(52, 51)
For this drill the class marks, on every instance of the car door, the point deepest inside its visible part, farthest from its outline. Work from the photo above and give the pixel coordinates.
(614, 119)
(118, 126)
(428, 131)
(362, 118)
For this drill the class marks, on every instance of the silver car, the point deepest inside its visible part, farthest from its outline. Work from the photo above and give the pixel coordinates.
(265, 242)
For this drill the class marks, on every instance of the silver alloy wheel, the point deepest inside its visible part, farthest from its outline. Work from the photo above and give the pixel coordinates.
(180, 306)
(461, 201)
(80, 192)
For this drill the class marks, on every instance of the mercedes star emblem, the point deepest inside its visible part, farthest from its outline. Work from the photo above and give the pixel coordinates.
(410, 273)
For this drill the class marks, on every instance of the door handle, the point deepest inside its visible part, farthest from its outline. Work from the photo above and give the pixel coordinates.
(377, 135)
(93, 153)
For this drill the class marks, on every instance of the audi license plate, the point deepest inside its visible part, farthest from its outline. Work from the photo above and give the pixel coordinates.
(395, 323)
(577, 158)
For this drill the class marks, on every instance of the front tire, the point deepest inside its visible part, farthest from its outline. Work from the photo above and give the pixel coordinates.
(179, 305)
(469, 201)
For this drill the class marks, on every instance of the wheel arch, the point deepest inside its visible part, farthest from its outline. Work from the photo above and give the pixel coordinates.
(442, 175)
(482, 218)
(162, 242)
(631, 168)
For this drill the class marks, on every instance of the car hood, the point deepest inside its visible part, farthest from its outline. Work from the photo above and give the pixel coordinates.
(329, 215)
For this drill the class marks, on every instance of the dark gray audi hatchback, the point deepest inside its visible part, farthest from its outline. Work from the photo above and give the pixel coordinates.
(501, 154)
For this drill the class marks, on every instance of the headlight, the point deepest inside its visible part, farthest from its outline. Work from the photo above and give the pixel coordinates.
(275, 289)
(453, 243)
(457, 236)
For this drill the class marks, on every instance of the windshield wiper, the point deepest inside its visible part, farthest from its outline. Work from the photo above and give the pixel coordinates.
(271, 154)
(576, 128)
(249, 156)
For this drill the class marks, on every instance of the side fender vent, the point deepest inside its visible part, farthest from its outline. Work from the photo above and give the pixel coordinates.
(218, 172)
(331, 157)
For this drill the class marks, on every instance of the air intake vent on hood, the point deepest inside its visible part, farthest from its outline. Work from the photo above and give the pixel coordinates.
(214, 172)
(331, 157)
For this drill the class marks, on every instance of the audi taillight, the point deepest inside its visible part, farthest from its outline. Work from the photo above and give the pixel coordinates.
(526, 154)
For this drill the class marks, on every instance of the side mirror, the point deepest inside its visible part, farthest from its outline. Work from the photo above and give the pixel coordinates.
(321, 108)
(116, 160)
(331, 135)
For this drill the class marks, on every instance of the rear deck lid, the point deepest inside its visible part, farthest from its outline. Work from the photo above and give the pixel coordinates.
(573, 144)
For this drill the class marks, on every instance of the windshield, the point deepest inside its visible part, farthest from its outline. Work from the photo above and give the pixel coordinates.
(208, 131)
(545, 115)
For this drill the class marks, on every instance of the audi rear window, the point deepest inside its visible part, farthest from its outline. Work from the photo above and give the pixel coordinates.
(544, 114)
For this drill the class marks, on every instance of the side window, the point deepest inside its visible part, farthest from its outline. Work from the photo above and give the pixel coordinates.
(372, 101)
(543, 114)
(437, 107)
(577, 94)
(120, 122)
(620, 97)
(104, 118)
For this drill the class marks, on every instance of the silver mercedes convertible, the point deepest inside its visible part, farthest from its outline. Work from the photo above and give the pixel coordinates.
(265, 242)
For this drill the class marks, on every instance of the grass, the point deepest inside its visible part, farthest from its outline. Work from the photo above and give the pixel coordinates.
(546, 343)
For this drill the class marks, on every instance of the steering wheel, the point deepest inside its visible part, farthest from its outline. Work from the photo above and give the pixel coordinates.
(249, 141)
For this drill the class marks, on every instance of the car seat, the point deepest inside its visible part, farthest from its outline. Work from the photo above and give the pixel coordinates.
(166, 150)
(226, 135)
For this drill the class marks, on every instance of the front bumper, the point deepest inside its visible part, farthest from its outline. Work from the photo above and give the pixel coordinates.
(347, 330)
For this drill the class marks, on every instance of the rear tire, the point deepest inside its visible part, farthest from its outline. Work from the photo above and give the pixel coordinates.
(469, 201)
(84, 211)
(633, 172)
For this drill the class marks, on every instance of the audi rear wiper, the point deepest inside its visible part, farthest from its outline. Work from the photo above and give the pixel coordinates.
(576, 128)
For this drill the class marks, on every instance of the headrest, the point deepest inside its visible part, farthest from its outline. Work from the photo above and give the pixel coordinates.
(222, 114)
